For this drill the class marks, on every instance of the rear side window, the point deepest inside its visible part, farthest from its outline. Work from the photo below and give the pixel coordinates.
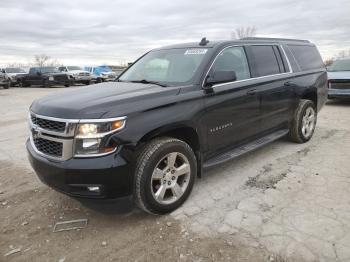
(264, 61)
(307, 57)
(33, 71)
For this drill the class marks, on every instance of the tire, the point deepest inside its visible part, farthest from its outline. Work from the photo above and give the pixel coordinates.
(7, 86)
(46, 84)
(87, 83)
(67, 85)
(169, 180)
(303, 124)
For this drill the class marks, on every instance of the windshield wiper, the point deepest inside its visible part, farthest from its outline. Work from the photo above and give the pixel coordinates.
(144, 81)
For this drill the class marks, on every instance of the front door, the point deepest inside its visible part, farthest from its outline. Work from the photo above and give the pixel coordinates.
(232, 109)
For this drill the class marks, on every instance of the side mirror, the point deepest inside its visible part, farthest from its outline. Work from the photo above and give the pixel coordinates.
(220, 77)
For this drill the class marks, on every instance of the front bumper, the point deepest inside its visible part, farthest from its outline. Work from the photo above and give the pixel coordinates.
(111, 173)
(339, 93)
(82, 78)
(4, 83)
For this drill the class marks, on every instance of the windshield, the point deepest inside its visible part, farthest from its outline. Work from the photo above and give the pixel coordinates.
(104, 69)
(14, 70)
(340, 65)
(49, 70)
(71, 68)
(171, 66)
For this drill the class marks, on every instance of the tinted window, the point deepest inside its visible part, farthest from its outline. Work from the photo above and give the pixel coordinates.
(264, 61)
(233, 59)
(33, 70)
(307, 57)
(340, 65)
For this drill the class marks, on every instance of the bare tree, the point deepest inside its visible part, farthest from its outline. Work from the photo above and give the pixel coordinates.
(41, 60)
(54, 62)
(328, 62)
(344, 53)
(242, 32)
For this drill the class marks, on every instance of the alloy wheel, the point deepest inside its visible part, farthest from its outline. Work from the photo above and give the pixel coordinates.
(170, 178)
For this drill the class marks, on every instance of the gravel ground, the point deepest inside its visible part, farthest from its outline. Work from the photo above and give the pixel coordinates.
(284, 202)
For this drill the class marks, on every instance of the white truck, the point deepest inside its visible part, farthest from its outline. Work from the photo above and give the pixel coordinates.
(79, 75)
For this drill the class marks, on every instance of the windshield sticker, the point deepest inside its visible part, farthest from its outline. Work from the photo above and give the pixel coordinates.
(196, 51)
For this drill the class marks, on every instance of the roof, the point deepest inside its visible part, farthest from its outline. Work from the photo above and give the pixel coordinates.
(248, 40)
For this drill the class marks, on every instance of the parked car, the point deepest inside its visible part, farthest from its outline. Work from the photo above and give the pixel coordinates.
(339, 79)
(174, 113)
(13, 73)
(46, 77)
(4, 80)
(79, 75)
(101, 73)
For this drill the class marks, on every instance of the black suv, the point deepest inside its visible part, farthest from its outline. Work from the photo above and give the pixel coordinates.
(45, 76)
(175, 112)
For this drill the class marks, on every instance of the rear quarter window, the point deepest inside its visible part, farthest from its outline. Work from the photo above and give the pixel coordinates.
(307, 57)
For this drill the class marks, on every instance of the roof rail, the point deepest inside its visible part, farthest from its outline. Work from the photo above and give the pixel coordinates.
(275, 39)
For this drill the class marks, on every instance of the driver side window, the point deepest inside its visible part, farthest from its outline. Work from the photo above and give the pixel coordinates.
(233, 59)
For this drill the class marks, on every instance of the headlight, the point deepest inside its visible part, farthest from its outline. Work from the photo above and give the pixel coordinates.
(91, 138)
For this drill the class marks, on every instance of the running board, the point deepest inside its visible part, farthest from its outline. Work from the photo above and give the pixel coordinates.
(241, 150)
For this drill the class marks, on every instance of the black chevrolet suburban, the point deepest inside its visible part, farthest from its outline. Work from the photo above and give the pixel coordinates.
(45, 76)
(175, 112)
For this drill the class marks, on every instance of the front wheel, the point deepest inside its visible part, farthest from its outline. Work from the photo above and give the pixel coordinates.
(7, 86)
(304, 122)
(165, 172)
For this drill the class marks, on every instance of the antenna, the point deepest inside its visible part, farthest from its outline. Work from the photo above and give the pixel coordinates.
(204, 41)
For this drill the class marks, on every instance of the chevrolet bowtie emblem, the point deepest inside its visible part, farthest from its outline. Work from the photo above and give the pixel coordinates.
(36, 133)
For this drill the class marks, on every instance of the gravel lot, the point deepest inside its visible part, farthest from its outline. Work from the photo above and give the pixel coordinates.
(284, 202)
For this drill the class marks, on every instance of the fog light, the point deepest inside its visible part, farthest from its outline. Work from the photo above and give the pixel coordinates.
(95, 189)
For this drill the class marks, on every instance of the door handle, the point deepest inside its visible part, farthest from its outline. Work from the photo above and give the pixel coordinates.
(251, 92)
(289, 83)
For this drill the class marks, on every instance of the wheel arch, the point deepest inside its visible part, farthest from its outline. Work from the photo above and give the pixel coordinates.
(310, 94)
(181, 131)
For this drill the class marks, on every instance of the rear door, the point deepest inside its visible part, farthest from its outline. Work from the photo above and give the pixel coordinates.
(232, 109)
(34, 76)
(276, 91)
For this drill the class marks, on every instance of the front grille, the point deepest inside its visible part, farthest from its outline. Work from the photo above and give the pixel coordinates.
(48, 147)
(84, 74)
(60, 78)
(50, 125)
(340, 84)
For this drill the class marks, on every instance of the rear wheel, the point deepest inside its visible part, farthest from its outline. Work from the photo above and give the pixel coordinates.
(165, 173)
(304, 122)
(46, 83)
(23, 84)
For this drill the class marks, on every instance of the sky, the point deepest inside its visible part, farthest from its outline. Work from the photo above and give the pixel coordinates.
(84, 32)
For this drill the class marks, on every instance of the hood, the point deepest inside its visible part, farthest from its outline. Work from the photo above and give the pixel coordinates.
(108, 73)
(105, 100)
(15, 74)
(339, 75)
